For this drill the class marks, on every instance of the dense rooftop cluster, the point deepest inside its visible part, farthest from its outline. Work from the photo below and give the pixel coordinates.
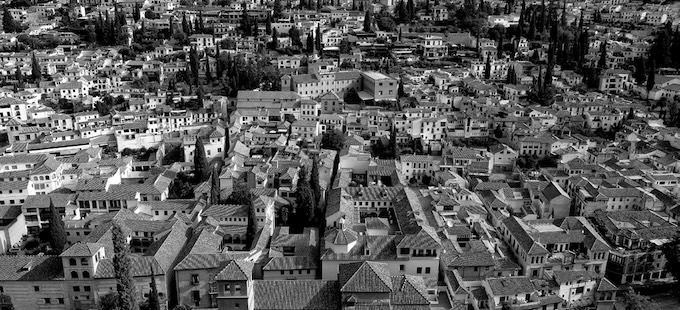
(335, 154)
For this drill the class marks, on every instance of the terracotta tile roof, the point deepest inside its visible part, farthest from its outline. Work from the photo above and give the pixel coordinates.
(510, 286)
(365, 277)
(30, 268)
(294, 295)
(236, 270)
(82, 249)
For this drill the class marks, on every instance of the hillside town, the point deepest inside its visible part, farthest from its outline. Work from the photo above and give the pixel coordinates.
(340, 154)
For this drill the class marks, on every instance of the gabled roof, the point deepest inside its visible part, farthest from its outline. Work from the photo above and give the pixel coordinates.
(297, 294)
(236, 270)
(365, 277)
(606, 286)
(82, 249)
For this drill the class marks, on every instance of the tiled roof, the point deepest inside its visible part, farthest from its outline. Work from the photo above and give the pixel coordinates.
(565, 276)
(30, 268)
(421, 240)
(510, 286)
(205, 261)
(82, 249)
(224, 211)
(141, 266)
(290, 263)
(606, 286)
(408, 290)
(236, 270)
(366, 277)
(294, 295)
(341, 237)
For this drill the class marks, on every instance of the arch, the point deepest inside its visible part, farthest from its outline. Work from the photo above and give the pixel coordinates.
(237, 238)
(74, 275)
(86, 274)
(72, 262)
(84, 261)
(227, 238)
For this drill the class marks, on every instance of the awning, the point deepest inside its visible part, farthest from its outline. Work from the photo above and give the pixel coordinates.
(365, 96)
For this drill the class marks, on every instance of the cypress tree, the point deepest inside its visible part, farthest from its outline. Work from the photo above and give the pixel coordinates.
(411, 9)
(226, 143)
(651, 76)
(275, 39)
(310, 43)
(208, 73)
(200, 162)
(185, 25)
(8, 23)
(304, 202)
(393, 142)
(367, 22)
(314, 180)
(215, 185)
(154, 302)
(125, 299)
(35, 68)
(268, 25)
(602, 62)
(318, 40)
(57, 230)
(487, 68)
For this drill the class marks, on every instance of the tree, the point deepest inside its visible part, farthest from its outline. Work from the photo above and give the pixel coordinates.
(368, 21)
(153, 303)
(498, 132)
(8, 23)
(294, 34)
(215, 185)
(226, 143)
(107, 302)
(393, 143)
(310, 43)
(57, 231)
(200, 162)
(246, 24)
(275, 39)
(277, 9)
(333, 140)
(602, 63)
(671, 251)
(125, 299)
(400, 89)
(314, 179)
(318, 41)
(635, 301)
(304, 203)
(35, 68)
(651, 76)
(487, 68)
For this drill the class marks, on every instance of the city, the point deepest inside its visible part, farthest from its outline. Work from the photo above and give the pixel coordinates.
(340, 154)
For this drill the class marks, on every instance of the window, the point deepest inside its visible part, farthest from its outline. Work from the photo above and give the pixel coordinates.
(71, 261)
(194, 279)
(236, 305)
(227, 288)
(76, 288)
(47, 300)
(237, 288)
(402, 267)
(419, 270)
(86, 275)
(427, 270)
(74, 275)
(86, 288)
(36, 288)
(60, 301)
